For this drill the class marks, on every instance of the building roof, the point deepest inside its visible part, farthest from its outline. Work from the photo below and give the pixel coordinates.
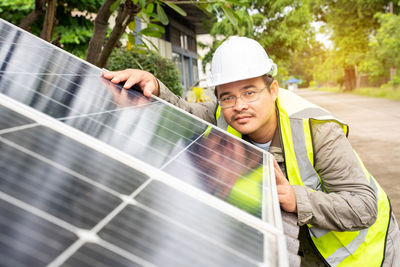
(194, 18)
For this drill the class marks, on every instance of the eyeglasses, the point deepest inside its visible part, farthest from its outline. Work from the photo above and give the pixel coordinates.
(251, 94)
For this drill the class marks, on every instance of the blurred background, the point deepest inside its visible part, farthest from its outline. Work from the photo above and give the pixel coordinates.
(335, 45)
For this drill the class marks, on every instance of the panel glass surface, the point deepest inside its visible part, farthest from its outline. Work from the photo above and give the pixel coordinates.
(50, 80)
(51, 189)
(28, 240)
(78, 158)
(163, 242)
(9, 119)
(208, 224)
(91, 255)
(226, 168)
(154, 133)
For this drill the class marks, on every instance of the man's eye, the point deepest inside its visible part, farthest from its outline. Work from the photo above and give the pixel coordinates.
(227, 98)
(249, 93)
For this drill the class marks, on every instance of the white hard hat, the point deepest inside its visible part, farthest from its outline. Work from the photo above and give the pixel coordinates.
(239, 58)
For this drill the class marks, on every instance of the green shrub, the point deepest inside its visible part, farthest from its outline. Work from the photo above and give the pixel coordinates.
(164, 69)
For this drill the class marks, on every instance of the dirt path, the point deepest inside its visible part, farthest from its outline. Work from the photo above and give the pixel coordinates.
(374, 134)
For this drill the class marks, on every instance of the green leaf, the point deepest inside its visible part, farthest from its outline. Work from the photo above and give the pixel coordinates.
(161, 15)
(142, 3)
(177, 9)
(152, 44)
(131, 39)
(160, 28)
(132, 25)
(153, 32)
(230, 15)
(149, 8)
(114, 6)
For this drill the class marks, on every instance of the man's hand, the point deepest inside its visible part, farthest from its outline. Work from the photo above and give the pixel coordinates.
(286, 195)
(145, 80)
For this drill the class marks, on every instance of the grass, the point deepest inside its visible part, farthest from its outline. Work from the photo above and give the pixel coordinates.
(385, 92)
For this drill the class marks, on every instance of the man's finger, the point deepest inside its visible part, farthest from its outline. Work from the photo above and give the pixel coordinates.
(132, 80)
(108, 74)
(121, 76)
(280, 178)
(148, 89)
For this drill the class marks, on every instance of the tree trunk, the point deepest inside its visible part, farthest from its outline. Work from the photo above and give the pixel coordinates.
(126, 13)
(40, 10)
(358, 77)
(393, 71)
(99, 32)
(49, 20)
(349, 78)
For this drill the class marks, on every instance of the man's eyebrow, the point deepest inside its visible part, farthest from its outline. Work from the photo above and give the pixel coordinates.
(225, 93)
(247, 87)
(241, 89)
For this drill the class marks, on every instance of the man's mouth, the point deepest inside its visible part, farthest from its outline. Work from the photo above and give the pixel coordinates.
(241, 119)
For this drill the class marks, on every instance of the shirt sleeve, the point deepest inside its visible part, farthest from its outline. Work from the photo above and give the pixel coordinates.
(205, 111)
(348, 202)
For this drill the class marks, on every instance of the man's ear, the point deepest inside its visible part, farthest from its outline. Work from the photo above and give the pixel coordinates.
(274, 88)
(215, 92)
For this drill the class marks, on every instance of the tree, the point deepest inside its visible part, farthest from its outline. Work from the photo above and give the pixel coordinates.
(305, 63)
(383, 58)
(282, 28)
(352, 23)
(97, 53)
(71, 28)
(79, 27)
(164, 69)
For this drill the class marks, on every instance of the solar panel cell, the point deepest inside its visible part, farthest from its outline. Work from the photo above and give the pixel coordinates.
(87, 163)
(9, 119)
(28, 240)
(91, 255)
(215, 226)
(51, 189)
(164, 243)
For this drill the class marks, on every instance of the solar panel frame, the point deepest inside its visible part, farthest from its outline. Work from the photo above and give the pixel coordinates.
(156, 174)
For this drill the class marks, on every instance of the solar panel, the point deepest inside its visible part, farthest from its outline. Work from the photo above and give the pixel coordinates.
(94, 174)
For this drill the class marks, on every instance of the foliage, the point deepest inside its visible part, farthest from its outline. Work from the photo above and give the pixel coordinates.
(305, 64)
(282, 28)
(74, 26)
(15, 10)
(352, 23)
(164, 69)
(385, 47)
(327, 71)
(287, 30)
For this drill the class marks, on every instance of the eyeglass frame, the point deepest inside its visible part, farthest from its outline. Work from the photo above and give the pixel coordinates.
(241, 94)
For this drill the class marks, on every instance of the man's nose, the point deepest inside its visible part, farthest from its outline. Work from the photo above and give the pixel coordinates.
(240, 104)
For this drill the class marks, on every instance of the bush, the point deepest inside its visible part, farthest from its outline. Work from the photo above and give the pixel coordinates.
(164, 69)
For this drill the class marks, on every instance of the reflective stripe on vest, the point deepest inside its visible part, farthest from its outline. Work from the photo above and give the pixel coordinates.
(337, 248)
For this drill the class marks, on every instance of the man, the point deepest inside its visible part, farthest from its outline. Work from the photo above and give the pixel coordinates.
(345, 216)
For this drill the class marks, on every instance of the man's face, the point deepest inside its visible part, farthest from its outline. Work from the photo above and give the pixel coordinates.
(256, 119)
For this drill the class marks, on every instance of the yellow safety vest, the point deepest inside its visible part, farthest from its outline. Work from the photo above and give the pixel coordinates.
(352, 248)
